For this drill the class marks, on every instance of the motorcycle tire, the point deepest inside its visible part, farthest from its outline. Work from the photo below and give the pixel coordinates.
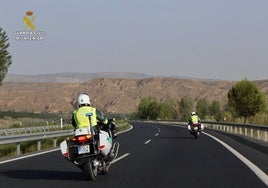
(90, 171)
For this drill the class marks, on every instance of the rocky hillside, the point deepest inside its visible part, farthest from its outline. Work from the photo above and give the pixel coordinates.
(111, 95)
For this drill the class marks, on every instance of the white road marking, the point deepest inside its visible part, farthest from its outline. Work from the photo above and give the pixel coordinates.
(247, 162)
(156, 134)
(119, 158)
(147, 141)
(27, 156)
(130, 128)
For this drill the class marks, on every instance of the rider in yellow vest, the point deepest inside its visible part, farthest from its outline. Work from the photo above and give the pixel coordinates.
(80, 118)
(194, 119)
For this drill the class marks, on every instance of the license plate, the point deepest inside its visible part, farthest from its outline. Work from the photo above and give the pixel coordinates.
(195, 128)
(83, 149)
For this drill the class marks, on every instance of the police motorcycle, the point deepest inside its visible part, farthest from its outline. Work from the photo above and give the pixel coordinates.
(195, 129)
(91, 149)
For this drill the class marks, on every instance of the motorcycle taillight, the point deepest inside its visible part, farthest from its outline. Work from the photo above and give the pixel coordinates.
(83, 138)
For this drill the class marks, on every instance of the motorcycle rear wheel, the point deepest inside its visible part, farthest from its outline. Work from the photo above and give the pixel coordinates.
(90, 171)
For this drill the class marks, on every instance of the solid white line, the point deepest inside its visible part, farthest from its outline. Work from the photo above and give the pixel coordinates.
(129, 129)
(247, 162)
(28, 156)
(147, 141)
(119, 158)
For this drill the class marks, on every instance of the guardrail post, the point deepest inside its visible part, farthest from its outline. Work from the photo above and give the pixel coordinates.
(55, 143)
(235, 130)
(38, 145)
(246, 132)
(251, 133)
(240, 130)
(18, 149)
(258, 134)
(265, 136)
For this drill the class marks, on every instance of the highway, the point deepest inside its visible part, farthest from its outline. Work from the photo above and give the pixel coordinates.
(150, 155)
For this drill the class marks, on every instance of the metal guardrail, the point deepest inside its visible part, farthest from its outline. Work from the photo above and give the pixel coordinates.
(259, 132)
(31, 137)
(18, 139)
(26, 137)
(29, 130)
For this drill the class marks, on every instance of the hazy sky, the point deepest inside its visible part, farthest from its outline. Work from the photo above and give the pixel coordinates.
(220, 39)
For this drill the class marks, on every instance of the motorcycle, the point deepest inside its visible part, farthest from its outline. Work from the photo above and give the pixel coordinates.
(195, 129)
(91, 149)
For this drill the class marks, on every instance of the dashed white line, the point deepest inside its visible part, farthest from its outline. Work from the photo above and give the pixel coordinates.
(119, 158)
(156, 134)
(147, 141)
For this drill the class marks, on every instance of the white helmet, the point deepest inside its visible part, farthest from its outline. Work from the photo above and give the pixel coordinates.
(83, 99)
(193, 113)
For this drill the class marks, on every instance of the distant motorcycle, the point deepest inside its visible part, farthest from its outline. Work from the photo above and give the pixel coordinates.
(91, 149)
(195, 129)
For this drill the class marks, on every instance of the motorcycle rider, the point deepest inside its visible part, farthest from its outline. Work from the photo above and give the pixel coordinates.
(79, 118)
(194, 119)
(97, 120)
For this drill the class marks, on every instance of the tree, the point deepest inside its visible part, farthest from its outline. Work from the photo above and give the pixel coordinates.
(166, 111)
(246, 99)
(214, 110)
(153, 110)
(185, 107)
(202, 107)
(150, 109)
(5, 57)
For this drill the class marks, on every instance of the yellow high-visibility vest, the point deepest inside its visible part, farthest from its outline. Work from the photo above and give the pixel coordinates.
(82, 120)
(194, 119)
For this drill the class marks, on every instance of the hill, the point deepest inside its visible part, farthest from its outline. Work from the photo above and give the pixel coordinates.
(113, 95)
(71, 77)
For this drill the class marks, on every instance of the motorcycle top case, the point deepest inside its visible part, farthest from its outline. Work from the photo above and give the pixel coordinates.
(82, 131)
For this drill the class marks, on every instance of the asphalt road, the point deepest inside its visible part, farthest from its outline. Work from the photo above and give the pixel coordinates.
(150, 155)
